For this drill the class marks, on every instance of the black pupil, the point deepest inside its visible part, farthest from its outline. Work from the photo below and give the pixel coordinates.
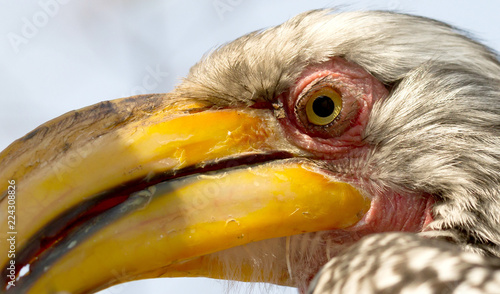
(323, 106)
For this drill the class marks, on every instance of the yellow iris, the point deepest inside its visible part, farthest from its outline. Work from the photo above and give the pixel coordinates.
(323, 106)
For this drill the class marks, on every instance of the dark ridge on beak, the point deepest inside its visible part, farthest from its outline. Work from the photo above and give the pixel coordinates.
(86, 218)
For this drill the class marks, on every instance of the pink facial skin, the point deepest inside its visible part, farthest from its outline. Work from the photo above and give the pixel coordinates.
(359, 90)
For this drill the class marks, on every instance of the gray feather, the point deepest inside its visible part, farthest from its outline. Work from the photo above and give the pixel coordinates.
(394, 263)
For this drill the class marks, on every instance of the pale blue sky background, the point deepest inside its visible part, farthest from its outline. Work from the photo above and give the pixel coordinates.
(82, 52)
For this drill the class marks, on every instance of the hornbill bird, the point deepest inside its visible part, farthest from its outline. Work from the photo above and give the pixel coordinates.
(353, 152)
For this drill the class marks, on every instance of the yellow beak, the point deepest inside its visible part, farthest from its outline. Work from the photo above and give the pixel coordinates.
(145, 187)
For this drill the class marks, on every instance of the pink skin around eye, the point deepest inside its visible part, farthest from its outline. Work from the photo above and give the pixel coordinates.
(359, 90)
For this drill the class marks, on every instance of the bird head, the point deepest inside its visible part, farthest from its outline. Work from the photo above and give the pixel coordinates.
(276, 152)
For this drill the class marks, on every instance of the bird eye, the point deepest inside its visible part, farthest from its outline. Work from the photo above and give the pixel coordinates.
(324, 106)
